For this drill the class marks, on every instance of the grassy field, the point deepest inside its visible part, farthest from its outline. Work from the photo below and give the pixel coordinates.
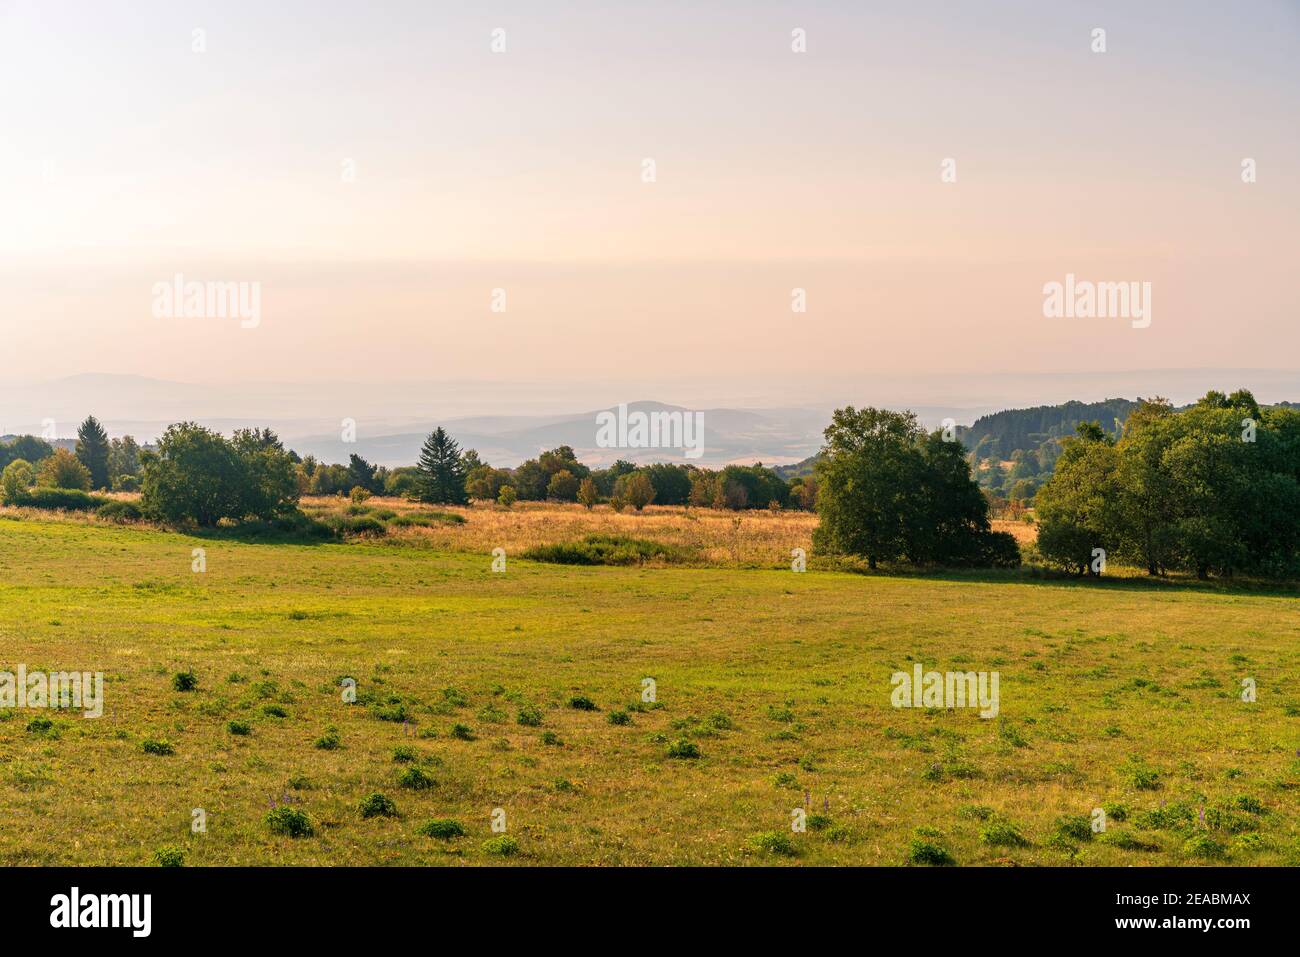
(1124, 694)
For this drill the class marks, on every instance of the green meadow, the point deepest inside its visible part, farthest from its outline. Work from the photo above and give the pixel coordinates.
(522, 691)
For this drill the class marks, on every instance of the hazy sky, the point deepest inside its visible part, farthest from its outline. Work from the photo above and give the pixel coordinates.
(127, 157)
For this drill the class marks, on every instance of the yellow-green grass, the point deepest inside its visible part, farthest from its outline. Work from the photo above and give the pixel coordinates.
(797, 665)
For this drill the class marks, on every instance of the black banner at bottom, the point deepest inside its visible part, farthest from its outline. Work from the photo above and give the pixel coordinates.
(332, 905)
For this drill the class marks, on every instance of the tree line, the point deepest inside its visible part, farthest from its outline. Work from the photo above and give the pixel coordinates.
(194, 474)
(1213, 489)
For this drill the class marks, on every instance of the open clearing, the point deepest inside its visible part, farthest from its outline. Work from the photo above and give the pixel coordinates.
(1123, 692)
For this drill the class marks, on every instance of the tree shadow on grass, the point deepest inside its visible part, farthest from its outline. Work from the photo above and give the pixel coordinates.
(1131, 580)
(275, 532)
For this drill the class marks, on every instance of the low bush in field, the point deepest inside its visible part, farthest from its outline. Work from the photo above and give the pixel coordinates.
(120, 512)
(427, 519)
(69, 499)
(775, 843)
(290, 822)
(378, 805)
(607, 550)
(925, 852)
(683, 749)
(169, 856)
(354, 526)
(415, 779)
(502, 846)
(1003, 834)
(445, 828)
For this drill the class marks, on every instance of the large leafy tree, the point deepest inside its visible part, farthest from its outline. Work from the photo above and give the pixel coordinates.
(1079, 510)
(886, 490)
(26, 447)
(362, 473)
(270, 484)
(63, 470)
(865, 479)
(92, 451)
(1211, 489)
(530, 480)
(123, 457)
(441, 476)
(197, 475)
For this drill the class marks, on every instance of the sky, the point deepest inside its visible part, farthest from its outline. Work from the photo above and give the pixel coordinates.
(377, 172)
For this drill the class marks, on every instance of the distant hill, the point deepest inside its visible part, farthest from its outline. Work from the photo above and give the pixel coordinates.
(69, 444)
(997, 435)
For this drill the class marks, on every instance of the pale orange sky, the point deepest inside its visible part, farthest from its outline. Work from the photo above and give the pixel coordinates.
(127, 158)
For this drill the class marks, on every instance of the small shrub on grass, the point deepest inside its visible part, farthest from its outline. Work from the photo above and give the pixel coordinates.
(289, 821)
(1250, 805)
(40, 725)
(444, 828)
(924, 852)
(239, 728)
(329, 741)
(404, 753)
(582, 703)
(390, 712)
(530, 716)
(774, 843)
(378, 805)
(1230, 822)
(1012, 735)
(119, 512)
(503, 845)
(618, 717)
(1249, 843)
(784, 715)
(1003, 834)
(977, 812)
(455, 698)
(1074, 827)
(1142, 777)
(785, 779)
(1125, 841)
(1204, 847)
(607, 550)
(1115, 811)
(1175, 816)
(415, 780)
(274, 711)
(682, 748)
(552, 739)
(462, 732)
(819, 822)
(184, 681)
(491, 715)
(151, 746)
(169, 856)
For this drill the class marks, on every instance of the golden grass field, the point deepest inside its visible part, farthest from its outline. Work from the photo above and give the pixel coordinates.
(1120, 693)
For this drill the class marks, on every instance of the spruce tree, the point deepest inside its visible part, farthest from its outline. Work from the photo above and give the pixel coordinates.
(441, 472)
(92, 451)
